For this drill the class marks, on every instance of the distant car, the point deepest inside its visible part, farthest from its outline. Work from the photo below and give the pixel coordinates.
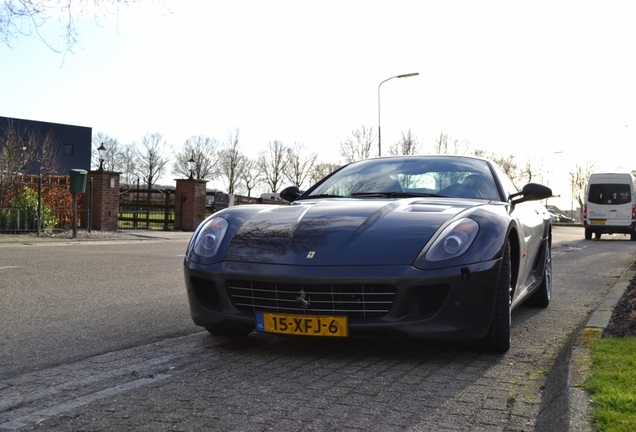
(553, 217)
(564, 219)
(430, 247)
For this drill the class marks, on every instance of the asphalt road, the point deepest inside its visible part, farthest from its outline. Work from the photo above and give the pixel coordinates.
(96, 336)
(61, 302)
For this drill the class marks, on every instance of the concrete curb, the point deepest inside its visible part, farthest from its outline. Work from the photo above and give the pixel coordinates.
(565, 405)
(96, 236)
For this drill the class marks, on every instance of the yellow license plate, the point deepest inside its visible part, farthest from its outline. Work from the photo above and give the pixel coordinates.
(305, 325)
(598, 221)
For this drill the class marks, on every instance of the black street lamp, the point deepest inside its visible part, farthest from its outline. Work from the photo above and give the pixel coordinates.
(379, 133)
(102, 156)
(191, 165)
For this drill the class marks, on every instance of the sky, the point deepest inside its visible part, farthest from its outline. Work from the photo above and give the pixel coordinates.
(549, 81)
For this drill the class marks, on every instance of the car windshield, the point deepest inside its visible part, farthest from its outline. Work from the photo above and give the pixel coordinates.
(444, 176)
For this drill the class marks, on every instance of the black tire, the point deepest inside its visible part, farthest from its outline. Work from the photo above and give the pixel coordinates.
(498, 337)
(588, 234)
(597, 235)
(228, 333)
(632, 236)
(541, 297)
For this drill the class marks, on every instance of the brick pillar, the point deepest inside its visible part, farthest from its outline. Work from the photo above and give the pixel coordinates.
(105, 200)
(189, 204)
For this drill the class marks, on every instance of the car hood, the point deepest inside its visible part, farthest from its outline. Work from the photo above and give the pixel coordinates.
(342, 232)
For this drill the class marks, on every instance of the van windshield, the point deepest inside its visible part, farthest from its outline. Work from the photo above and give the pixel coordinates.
(609, 193)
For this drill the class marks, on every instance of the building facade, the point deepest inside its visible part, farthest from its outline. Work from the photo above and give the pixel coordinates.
(60, 147)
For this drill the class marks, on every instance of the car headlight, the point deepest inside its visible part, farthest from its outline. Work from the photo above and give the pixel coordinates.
(209, 237)
(454, 240)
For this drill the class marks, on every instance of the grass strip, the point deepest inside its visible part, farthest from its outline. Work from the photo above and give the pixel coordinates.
(612, 384)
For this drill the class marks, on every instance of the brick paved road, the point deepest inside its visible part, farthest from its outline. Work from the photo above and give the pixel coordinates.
(262, 383)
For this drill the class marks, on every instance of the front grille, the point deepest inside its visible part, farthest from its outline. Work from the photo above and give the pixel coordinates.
(353, 301)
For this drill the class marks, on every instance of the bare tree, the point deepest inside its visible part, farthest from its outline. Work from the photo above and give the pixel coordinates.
(441, 144)
(250, 175)
(358, 146)
(27, 17)
(14, 150)
(444, 145)
(231, 163)
(28, 150)
(408, 145)
(322, 170)
(299, 165)
(578, 180)
(510, 167)
(48, 153)
(528, 172)
(114, 157)
(129, 163)
(203, 150)
(151, 159)
(272, 162)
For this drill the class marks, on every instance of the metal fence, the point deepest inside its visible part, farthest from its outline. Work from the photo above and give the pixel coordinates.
(140, 209)
(146, 210)
(34, 203)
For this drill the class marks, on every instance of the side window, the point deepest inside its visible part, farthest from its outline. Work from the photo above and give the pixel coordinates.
(599, 193)
(620, 194)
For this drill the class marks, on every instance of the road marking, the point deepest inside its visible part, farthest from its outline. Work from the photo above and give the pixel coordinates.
(8, 267)
(41, 415)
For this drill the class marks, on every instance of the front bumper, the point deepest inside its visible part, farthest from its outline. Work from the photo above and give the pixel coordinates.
(451, 303)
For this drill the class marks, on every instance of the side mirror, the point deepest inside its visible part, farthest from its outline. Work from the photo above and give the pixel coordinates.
(531, 192)
(290, 193)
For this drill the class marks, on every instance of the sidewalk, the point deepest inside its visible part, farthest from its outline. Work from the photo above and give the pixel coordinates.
(566, 403)
(84, 235)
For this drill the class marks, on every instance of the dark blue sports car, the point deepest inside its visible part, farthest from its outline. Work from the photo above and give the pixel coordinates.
(431, 247)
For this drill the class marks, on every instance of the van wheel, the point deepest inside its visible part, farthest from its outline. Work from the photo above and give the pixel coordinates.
(632, 236)
(588, 234)
(597, 235)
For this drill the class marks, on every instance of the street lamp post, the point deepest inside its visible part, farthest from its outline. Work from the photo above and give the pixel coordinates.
(379, 85)
(191, 166)
(101, 150)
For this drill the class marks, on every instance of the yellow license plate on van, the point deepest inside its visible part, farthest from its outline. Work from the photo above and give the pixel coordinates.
(598, 221)
(303, 325)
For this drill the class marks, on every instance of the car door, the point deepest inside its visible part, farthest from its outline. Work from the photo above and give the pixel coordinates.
(620, 208)
(530, 217)
(598, 203)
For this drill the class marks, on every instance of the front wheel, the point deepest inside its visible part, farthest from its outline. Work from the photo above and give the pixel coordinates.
(588, 234)
(498, 337)
(541, 297)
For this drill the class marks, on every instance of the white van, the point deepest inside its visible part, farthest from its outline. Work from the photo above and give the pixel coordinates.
(610, 205)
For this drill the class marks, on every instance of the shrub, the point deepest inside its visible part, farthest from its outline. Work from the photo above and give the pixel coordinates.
(23, 214)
